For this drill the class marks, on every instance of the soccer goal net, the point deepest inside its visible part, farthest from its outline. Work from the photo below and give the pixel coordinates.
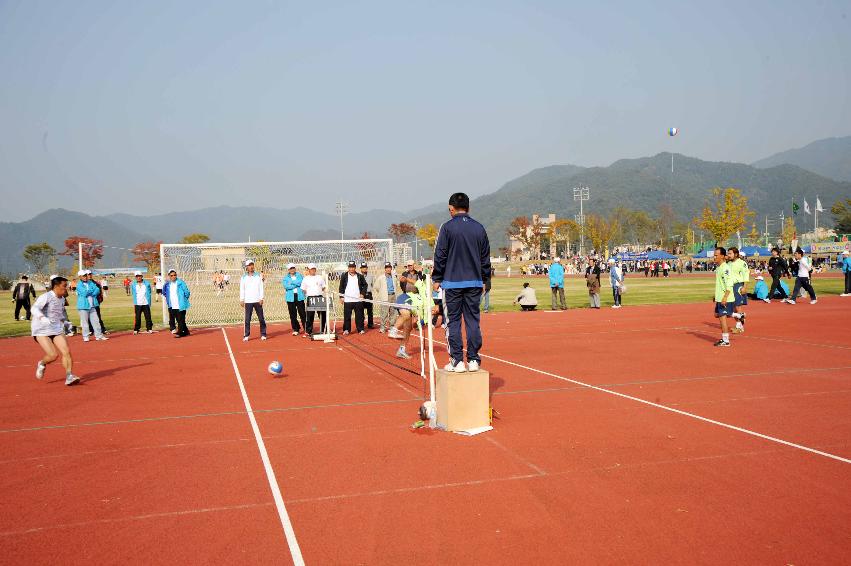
(213, 272)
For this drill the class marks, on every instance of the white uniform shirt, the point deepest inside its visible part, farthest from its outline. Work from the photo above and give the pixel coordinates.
(172, 296)
(352, 292)
(251, 288)
(141, 294)
(313, 285)
(158, 282)
(804, 267)
(48, 315)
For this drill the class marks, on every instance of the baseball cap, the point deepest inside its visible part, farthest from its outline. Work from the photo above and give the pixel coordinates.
(249, 262)
(170, 271)
(388, 264)
(82, 272)
(409, 262)
(558, 259)
(363, 264)
(311, 266)
(137, 273)
(760, 278)
(611, 260)
(352, 264)
(88, 272)
(290, 266)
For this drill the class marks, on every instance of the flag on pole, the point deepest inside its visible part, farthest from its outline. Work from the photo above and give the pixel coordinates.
(795, 207)
(818, 206)
(807, 207)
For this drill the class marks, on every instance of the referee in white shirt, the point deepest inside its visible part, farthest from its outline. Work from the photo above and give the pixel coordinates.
(251, 297)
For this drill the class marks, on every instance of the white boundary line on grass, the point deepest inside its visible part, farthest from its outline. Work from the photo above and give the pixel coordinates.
(295, 551)
(671, 409)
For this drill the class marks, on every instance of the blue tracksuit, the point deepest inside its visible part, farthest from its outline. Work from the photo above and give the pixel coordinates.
(556, 273)
(462, 265)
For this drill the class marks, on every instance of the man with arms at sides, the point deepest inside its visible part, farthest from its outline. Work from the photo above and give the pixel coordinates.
(352, 290)
(295, 299)
(176, 294)
(616, 280)
(48, 329)
(87, 301)
(384, 290)
(251, 295)
(778, 268)
(158, 284)
(314, 287)
(556, 273)
(723, 295)
(461, 266)
(845, 260)
(367, 304)
(21, 296)
(141, 292)
(740, 274)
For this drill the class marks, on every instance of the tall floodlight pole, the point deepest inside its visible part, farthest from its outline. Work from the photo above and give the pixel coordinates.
(342, 208)
(581, 194)
(416, 242)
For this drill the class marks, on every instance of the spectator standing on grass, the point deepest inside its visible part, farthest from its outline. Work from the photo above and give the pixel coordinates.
(21, 296)
(846, 269)
(295, 299)
(87, 302)
(176, 296)
(486, 298)
(251, 295)
(556, 273)
(158, 284)
(314, 288)
(527, 299)
(616, 280)
(353, 289)
(141, 292)
(101, 298)
(48, 329)
(104, 286)
(462, 266)
(723, 295)
(778, 268)
(592, 281)
(127, 285)
(802, 279)
(384, 290)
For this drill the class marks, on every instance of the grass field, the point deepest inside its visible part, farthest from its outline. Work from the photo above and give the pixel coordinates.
(118, 310)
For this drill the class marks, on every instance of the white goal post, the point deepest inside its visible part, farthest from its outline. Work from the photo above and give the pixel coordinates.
(212, 271)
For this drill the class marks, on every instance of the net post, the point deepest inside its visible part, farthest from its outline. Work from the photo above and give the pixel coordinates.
(430, 331)
(162, 270)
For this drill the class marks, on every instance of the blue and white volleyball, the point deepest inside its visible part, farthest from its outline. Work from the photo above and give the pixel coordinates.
(276, 368)
(673, 131)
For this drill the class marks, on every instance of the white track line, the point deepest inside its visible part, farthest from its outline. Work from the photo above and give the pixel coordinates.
(671, 409)
(295, 551)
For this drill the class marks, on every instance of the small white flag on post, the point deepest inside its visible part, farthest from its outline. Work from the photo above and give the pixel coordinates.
(807, 207)
(818, 206)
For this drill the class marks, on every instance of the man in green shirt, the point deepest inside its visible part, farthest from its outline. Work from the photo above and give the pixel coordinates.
(723, 294)
(740, 274)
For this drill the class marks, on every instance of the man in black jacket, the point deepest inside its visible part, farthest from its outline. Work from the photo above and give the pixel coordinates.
(777, 267)
(21, 296)
(353, 290)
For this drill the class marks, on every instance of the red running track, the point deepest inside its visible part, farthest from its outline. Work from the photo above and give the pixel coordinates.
(152, 459)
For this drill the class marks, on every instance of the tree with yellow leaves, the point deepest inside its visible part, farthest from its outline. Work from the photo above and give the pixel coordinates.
(428, 233)
(601, 231)
(789, 231)
(753, 236)
(727, 215)
(560, 231)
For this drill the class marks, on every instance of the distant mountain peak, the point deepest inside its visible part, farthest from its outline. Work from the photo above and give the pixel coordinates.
(829, 157)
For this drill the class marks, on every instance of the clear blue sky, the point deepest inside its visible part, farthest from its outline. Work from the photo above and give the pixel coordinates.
(148, 107)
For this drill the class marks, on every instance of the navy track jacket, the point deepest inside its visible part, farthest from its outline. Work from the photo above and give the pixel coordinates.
(461, 254)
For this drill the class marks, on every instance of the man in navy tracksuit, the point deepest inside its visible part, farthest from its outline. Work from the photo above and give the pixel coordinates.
(462, 266)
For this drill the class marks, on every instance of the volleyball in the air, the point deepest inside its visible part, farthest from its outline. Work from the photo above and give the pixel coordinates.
(276, 368)
(673, 131)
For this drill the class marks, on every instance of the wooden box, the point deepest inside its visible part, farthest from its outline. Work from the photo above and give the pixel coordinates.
(462, 399)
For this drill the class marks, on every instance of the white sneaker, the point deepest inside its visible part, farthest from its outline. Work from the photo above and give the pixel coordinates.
(345, 332)
(394, 333)
(457, 368)
(135, 332)
(790, 301)
(72, 379)
(174, 331)
(766, 300)
(39, 370)
(263, 338)
(101, 338)
(295, 333)
(85, 338)
(845, 295)
(401, 353)
(245, 338)
(814, 301)
(473, 366)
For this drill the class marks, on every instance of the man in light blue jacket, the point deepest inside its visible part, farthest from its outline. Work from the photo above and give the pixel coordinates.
(846, 269)
(176, 295)
(141, 292)
(556, 273)
(87, 302)
(295, 299)
(616, 279)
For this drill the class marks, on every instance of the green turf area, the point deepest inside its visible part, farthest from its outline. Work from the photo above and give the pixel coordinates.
(117, 310)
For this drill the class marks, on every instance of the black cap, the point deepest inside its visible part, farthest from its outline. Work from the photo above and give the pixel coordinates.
(363, 264)
(352, 264)
(388, 264)
(24, 277)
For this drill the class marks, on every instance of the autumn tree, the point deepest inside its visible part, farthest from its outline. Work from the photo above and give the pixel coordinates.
(402, 230)
(789, 231)
(196, 238)
(726, 215)
(842, 215)
(753, 236)
(147, 253)
(601, 231)
(92, 249)
(428, 233)
(528, 233)
(561, 231)
(39, 256)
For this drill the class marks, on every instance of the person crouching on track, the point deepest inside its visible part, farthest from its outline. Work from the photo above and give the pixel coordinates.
(353, 289)
(723, 294)
(176, 295)
(295, 299)
(141, 292)
(48, 329)
(251, 297)
(87, 300)
(527, 298)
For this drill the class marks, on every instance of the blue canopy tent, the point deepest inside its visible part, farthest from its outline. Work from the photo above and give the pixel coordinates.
(755, 250)
(660, 254)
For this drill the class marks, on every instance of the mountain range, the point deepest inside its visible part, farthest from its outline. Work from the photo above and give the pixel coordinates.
(644, 183)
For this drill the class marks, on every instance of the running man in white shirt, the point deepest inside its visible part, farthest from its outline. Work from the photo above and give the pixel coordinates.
(48, 330)
(251, 298)
(314, 287)
(802, 278)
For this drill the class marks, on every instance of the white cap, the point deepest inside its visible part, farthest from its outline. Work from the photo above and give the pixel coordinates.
(311, 266)
(846, 252)
(137, 273)
(290, 266)
(82, 272)
(249, 262)
(611, 260)
(558, 259)
(88, 272)
(52, 277)
(760, 278)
